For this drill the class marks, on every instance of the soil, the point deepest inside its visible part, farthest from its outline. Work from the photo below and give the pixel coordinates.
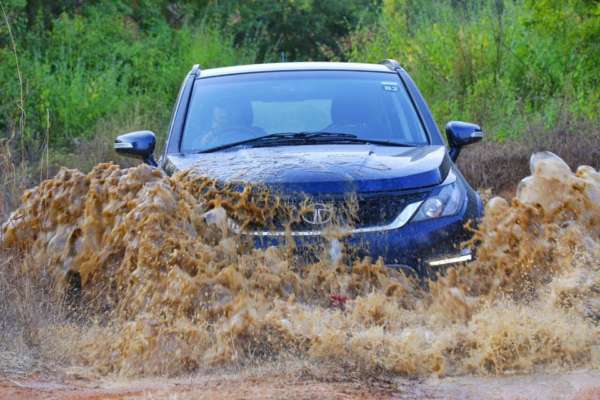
(575, 385)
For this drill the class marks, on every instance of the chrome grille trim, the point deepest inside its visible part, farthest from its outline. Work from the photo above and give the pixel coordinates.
(401, 220)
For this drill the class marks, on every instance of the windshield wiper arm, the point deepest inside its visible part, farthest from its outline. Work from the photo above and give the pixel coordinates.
(310, 137)
(325, 135)
(348, 137)
(274, 137)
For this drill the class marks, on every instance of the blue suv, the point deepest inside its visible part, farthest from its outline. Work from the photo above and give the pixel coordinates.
(327, 130)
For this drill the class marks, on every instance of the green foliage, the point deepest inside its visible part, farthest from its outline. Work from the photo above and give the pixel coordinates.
(301, 29)
(101, 64)
(92, 64)
(505, 64)
(95, 67)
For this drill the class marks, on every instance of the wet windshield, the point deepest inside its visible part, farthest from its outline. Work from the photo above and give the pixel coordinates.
(370, 105)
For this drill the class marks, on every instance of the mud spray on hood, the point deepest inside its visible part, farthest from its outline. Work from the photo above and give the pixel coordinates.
(167, 288)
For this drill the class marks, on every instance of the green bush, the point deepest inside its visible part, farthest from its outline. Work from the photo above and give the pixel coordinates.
(298, 30)
(100, 66)
(506, 64)
(97, 65)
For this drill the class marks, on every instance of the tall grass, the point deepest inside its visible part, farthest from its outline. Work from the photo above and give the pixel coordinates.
(11, 181)
(29, 306)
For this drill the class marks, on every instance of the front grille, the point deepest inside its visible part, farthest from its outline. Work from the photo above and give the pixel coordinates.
(357, 211)
(382, 209)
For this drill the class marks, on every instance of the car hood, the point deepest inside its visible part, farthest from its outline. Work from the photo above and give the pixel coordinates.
(322, 168)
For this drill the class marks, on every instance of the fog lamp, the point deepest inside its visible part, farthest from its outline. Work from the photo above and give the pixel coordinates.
(464, 256)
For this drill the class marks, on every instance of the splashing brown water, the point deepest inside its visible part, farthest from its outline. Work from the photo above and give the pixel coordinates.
(166, 292)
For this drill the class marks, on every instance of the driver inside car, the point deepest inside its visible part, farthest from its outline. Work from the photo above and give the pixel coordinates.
(231, 122)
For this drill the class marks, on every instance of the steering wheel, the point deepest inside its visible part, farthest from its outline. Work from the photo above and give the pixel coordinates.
(236, 133)
(230, 134)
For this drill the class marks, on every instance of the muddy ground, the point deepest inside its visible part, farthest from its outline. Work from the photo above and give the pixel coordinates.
(267, 384)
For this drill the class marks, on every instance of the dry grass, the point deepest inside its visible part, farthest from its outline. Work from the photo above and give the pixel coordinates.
(500, 166)
(17, 174)
(12, 182)
(29, 305)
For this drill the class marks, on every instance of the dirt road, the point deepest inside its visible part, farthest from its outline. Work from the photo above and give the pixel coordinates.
(576, 385)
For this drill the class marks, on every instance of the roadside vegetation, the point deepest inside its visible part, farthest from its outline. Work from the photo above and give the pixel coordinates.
(73, 74)
(513, 66)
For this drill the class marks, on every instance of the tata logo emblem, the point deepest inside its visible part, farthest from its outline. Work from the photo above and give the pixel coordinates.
(319, 215)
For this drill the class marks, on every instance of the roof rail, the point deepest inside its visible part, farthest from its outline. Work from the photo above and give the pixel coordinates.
(195, 70)
(391, 64)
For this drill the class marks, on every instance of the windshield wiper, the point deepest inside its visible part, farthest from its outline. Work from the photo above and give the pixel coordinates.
(304, 137)
(270, 139)
(338, 137)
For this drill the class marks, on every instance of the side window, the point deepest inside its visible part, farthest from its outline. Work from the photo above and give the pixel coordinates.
(292, 116)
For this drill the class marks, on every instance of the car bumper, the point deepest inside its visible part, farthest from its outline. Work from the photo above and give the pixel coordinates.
(423, 247)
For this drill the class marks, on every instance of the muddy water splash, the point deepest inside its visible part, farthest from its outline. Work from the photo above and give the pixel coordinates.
(167, 288)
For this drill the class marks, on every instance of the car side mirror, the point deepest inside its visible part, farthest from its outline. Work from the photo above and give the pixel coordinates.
(138, 144)
(461, 134)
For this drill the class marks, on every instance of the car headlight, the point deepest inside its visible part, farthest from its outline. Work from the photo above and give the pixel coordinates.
(444, 203)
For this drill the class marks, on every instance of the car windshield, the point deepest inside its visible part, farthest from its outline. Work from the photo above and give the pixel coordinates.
(370, 105)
